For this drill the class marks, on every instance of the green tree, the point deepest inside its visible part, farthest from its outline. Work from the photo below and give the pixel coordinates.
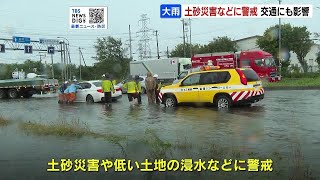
(179, 52)
(295, 39)
(302, 45)
(220, 44)
(318, 60)
(111, 57)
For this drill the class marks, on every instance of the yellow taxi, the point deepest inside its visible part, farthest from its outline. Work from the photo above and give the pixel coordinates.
(222, 87)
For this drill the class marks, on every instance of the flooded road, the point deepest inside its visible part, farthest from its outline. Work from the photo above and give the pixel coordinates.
(272, 126)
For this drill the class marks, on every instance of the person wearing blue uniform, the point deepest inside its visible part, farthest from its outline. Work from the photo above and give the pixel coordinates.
(72, 90)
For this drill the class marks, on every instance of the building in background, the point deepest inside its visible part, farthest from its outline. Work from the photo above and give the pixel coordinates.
(249, 43)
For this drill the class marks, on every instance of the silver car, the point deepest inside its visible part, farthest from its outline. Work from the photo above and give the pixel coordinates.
(143, 85)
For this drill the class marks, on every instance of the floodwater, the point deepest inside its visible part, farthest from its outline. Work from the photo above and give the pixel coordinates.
(273, 126)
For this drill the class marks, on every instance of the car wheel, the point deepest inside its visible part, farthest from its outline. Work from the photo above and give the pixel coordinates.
(170, 101)
(223, 102)
(27, 95)
(89, 99)
(3, 94)
(13, 93)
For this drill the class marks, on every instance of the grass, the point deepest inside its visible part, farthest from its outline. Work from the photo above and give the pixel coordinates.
(4, 122)
(73, 128)
(294, 82)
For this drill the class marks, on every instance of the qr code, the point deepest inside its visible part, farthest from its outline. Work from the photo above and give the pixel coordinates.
(96, 15)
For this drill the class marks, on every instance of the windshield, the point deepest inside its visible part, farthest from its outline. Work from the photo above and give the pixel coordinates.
(183, 74)
(269, 62)
(97, 84)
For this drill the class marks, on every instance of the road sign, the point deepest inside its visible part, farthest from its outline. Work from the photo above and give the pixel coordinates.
(50, 50)
(28, 49)
(50, 41)
(17, 39)
(170, 11)
(2, 48)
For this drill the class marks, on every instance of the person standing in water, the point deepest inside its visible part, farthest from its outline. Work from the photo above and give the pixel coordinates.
(150, 87)
(132, 90)
(139, 89)
(107, 88)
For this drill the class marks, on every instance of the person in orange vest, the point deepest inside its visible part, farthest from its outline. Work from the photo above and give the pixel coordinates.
(62, 97)
(73, 90)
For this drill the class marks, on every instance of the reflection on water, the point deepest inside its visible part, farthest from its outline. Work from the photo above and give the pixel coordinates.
(271, 125)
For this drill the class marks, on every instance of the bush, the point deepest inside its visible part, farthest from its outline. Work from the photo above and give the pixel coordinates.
(302, 75)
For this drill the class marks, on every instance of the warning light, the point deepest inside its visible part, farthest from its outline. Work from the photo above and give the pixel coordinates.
(207, 68)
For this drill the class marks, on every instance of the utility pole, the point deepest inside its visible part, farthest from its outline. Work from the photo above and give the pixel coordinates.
(157, 44)
(67, 48)
(62, 65)
(81, 58)
(184, 39)
(52, 66)
(64, 60)
(190, 37)
(279, 42)
(80, 63)
(130, 45)
(69, 61)
(167, 52)
(40, 56)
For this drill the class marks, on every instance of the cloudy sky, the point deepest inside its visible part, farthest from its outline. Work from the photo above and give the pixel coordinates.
(50, 19)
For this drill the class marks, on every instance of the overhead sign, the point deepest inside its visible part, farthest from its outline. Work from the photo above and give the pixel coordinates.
(50, 41)
(17, 39)
(28, 49)
(50, 50)
(2, 48)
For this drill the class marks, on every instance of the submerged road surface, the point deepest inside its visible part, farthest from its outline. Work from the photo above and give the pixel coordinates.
(279, 124)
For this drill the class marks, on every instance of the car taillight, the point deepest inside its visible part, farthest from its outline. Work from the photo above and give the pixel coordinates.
(100, 90)
(243, 78)
(118, 89)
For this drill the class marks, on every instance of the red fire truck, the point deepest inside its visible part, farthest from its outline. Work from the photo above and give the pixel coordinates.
(260, 61)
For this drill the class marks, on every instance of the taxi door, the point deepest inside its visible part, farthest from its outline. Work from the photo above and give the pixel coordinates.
(207, 87)
(188, 91)
(212, 83)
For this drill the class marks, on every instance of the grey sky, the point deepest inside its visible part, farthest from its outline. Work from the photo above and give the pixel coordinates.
(49, 19)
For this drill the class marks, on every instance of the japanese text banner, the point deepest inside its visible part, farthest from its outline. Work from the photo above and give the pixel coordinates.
(245, 11)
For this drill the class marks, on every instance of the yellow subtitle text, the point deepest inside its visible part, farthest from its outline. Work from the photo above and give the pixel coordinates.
(161, 165)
